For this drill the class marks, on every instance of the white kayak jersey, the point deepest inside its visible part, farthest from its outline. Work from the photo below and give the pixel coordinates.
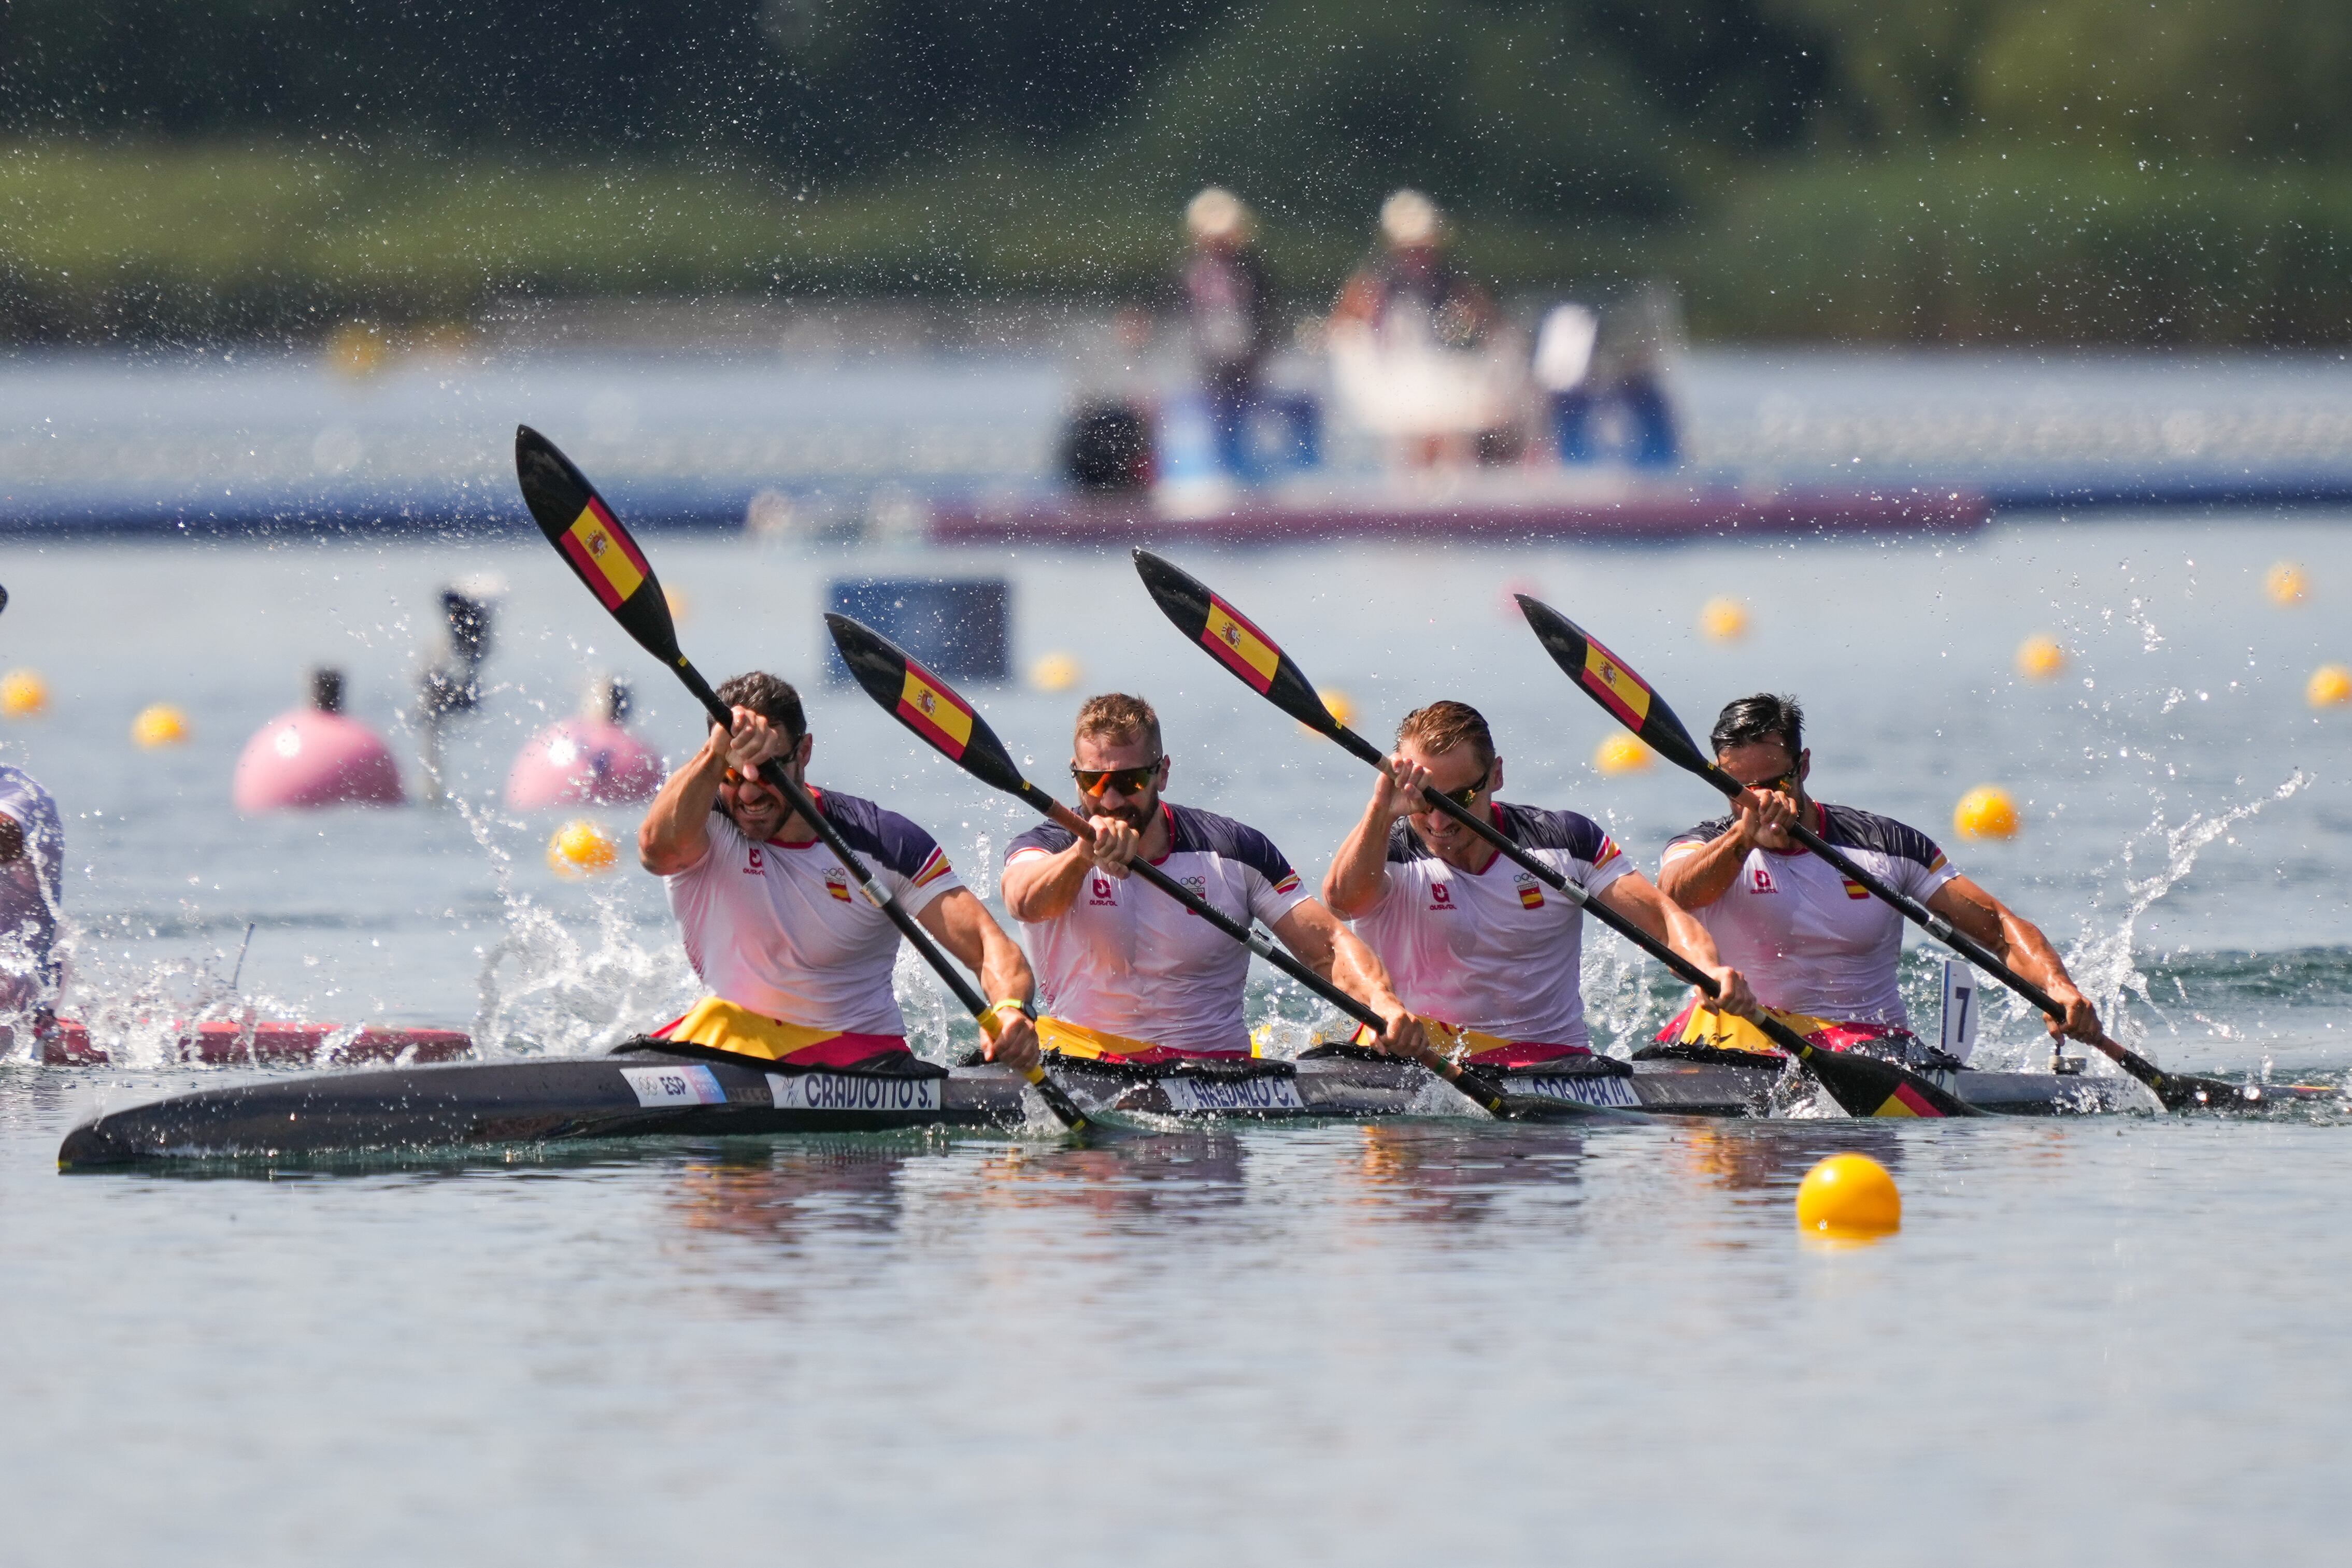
(1807, 939)
(1495, 951)
(781, 928)
(30, 886)
(1128, 960)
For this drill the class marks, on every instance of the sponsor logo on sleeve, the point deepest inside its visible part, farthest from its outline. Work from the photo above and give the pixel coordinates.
(1608, 852)
(1289, 883)
(932, 868)
(691, 1084)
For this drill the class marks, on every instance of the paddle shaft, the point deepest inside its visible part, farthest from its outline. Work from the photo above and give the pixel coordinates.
(1683, 969)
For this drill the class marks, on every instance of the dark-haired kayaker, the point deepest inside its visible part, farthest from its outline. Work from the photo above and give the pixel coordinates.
(798, 962)
(1819, 948)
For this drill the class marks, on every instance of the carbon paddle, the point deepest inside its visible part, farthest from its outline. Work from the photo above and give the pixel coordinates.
(931, 708)
(601, 554)
(1611, 682)
(1862, 1086)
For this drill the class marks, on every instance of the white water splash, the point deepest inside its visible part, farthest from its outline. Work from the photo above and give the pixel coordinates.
(2102, 963)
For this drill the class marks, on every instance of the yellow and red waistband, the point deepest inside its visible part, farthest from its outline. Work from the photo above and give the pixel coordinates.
(1480, 1049)
(1100, 1044)
(723, 1027)
(1698, 1026)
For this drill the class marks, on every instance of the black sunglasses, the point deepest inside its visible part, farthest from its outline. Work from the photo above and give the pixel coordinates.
(1092, 781)
(1467, 793)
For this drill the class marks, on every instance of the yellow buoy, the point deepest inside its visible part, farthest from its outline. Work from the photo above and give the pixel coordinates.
(358, 348)
(158, 724)
(581, 849)
(680, 608)
(1622, 753)
(1986, 812)
(1723, 618)
(2286, 583)
(2041, 658)
(1338, 705)
(1848, 1195)
(24, 694)
(1057, 672)
(2330, 687)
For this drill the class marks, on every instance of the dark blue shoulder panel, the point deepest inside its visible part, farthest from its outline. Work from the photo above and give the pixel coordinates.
(1852, 828)
(1201, 831)
(883, 836)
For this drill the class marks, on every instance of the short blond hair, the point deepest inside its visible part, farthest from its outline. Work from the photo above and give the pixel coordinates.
(1442, 726)
(1118, 718)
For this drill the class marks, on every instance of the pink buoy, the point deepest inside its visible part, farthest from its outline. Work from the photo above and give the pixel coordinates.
(583, 762)
(315, 756)
(587, 761)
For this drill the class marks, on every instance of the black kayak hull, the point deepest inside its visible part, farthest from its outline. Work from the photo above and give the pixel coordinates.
(640, 1094)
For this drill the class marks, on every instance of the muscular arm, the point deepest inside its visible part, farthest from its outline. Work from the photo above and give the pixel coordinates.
(1631, 896)
(964, 927)
(675, 833)
(1359, 877)
(1335, 953)
(1044, 887)
(2018, 942)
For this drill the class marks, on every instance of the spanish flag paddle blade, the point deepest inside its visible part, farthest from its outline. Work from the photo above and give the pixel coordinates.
(585, 534)
(930, 707)
(1234, 642)
(1612, 683)
(1866, 1085)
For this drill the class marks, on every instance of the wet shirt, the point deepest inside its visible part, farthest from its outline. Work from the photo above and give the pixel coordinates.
(781, 928)
(1127, 959)
(1493, 950)
(30, 886)
(1807, 939)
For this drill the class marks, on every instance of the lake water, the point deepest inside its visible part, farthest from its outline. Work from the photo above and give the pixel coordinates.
(1441, 1341)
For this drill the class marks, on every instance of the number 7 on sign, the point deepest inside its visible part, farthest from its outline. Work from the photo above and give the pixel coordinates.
(1959, 1010)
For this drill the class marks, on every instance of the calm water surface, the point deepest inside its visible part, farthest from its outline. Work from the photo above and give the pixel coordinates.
(1438, 1340)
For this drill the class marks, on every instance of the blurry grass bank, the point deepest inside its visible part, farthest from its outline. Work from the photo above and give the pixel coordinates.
(148, 240)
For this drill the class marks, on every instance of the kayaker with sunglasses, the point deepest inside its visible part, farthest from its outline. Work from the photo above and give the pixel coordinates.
(1822, 951)
(1128, 973)
(1487, 956)
(798, 963)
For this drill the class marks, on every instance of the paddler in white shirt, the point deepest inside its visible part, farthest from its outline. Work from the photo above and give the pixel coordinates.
(1823, 949)
(798, 962)
(1128, 973)
(1485, 955)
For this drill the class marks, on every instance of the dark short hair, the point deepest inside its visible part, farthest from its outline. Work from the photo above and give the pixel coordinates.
(1762, 717)
(1443, 725)
(770, 698)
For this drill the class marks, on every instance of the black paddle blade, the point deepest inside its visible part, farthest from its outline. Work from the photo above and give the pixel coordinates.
(586, 534)
(925, 704)
(1237, 644)
(1611, 682)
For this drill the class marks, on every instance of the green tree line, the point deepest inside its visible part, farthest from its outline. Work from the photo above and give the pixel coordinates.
(2130, 169)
